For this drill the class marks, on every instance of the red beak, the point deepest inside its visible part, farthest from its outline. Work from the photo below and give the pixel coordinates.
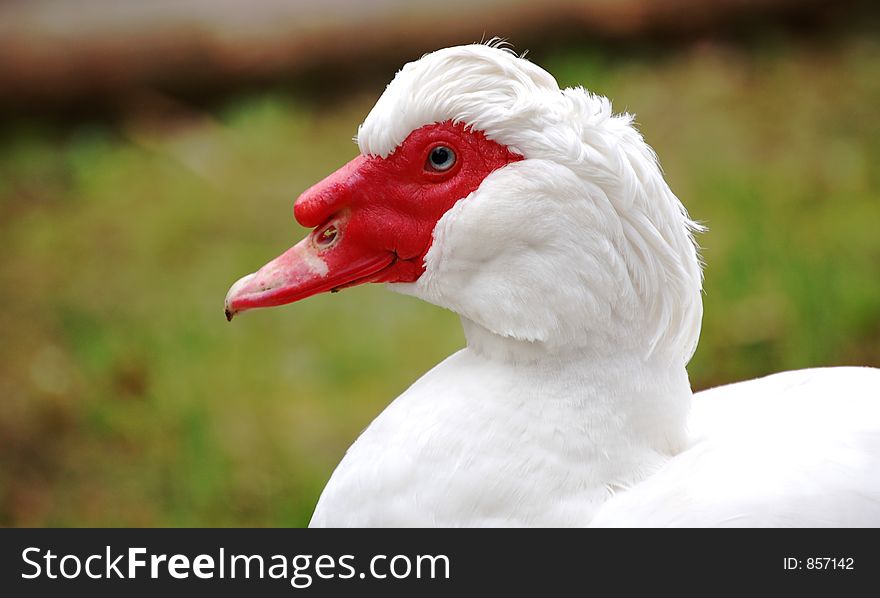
(336, 254)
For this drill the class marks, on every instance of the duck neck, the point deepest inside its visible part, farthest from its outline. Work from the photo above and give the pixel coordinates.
(627, 398)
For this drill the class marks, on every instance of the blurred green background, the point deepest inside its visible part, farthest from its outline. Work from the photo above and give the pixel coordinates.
(125, 397)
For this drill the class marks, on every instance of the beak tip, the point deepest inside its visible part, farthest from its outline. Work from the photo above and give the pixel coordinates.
(229, 308)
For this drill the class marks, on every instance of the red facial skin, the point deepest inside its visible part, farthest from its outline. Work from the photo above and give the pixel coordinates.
(374, 218)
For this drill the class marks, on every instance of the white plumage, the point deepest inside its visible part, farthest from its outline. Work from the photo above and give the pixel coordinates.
(578, 283)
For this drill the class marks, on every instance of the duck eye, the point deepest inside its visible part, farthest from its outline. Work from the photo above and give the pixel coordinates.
(441, 158)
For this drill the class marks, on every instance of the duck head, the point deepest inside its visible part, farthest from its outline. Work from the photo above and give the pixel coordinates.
(532, 211)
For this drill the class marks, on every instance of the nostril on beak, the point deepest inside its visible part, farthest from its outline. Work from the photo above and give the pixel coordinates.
(327, 237)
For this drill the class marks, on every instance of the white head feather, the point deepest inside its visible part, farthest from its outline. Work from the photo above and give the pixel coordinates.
(582, 243)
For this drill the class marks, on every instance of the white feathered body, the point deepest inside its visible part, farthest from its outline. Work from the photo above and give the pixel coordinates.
(478, 442)
(474, 443)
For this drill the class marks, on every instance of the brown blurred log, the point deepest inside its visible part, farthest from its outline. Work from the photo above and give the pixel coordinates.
(59, 53)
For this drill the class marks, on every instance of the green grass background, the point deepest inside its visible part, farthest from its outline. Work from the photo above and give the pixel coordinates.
(126, 399)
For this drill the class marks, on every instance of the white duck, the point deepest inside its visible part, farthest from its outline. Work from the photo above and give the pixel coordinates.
(544, 221)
